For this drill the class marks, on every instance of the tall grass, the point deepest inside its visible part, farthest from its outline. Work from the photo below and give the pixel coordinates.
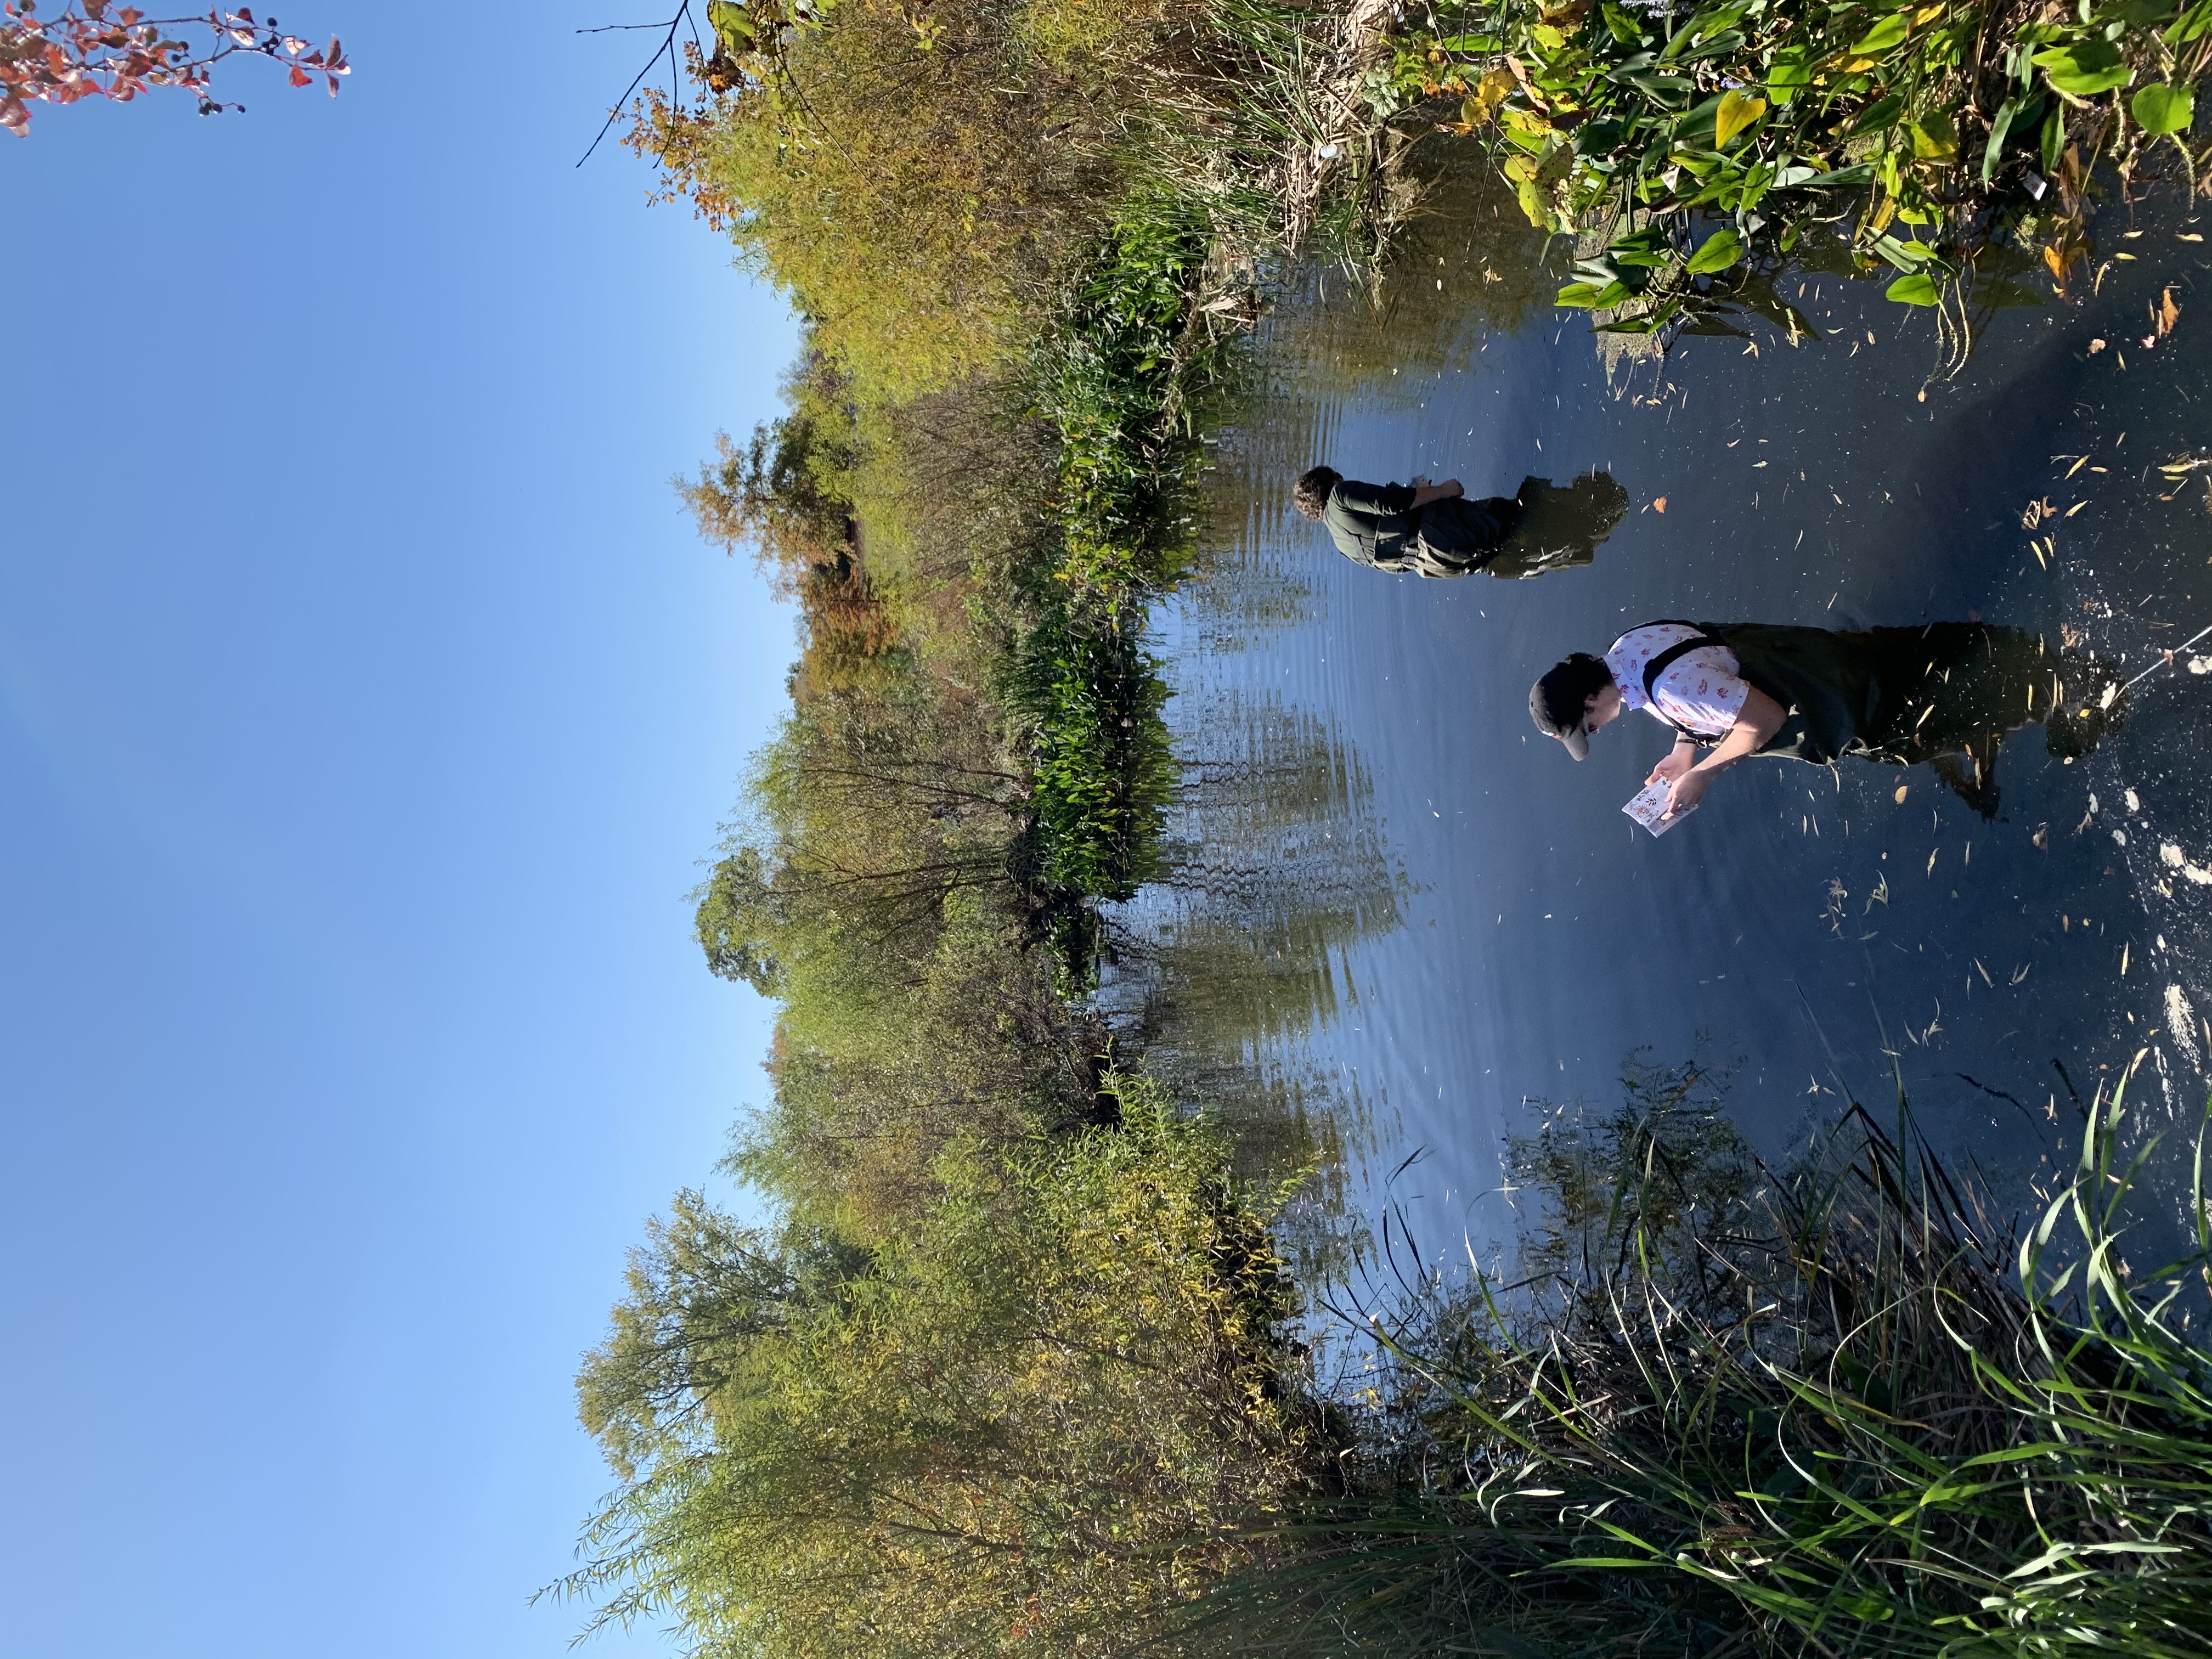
(1842, 1410)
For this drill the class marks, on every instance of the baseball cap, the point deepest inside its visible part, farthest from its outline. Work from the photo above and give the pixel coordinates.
(1556, 700)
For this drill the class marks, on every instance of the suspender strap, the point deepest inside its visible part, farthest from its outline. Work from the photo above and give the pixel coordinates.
(1665, 661)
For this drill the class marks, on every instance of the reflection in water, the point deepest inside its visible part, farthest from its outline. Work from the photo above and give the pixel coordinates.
(1434, 530)
(1850, 925)
(1226, 970)
(1559, 527)
(1946, 694)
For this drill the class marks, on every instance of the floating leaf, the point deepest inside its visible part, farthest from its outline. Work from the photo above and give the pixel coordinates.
(1737, 113)
(1722, 249)
(1917, 289)
(1590, 296)
(2163, 109)
(2084, 68)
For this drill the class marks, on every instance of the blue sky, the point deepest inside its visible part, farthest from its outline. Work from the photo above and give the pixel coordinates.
(366, 704)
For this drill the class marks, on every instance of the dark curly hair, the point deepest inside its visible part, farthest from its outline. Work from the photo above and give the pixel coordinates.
(1310, 493)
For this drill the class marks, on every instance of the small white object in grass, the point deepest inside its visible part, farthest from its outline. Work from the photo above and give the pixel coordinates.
(1330, 152)
(1648, 808)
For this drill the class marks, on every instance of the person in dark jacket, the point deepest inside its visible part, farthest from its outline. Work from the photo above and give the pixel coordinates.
(1434, 530)
(1947, 693)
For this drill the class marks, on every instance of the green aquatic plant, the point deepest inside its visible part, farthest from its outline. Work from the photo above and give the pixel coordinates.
(1935, 126)
(1831, 1411)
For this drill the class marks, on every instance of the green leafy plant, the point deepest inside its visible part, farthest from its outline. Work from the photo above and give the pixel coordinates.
(1769, 114)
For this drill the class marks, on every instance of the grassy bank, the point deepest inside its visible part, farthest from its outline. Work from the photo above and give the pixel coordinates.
(1835, 1409)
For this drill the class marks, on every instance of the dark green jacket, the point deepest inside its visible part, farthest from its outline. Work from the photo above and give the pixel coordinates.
(1378, 525)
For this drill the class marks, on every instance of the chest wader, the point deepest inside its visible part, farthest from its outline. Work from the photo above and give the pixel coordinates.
(1886, 694)
(1840, 693)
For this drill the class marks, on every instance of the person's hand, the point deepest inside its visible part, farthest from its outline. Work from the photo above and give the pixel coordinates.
(1677, 761)
(1687, 791)
(1452, 487)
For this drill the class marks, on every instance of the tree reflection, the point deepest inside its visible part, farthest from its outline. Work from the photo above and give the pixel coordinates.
(1225, 971)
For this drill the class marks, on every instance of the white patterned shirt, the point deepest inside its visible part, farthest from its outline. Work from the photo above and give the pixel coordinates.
(1701, 690)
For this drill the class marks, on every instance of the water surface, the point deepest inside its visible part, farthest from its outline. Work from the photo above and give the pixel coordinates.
(1403, 917)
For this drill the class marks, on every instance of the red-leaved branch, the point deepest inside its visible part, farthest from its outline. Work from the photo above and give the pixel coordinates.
(91, 49)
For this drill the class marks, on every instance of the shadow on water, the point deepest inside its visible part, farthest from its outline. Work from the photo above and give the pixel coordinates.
(2003, 922)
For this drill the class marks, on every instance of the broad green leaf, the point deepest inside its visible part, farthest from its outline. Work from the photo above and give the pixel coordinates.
(1934, 138)
(2085, 69)
(1883, 35)
(1735, 114)
(1547, 37)
(1532, 202)
(732, 26)
(2191, 23)
(1624, 26)
(1918, 289)
(1590, 296)
(1906, 256)
(1789, 76)
(2162, 109)
(1722, 249)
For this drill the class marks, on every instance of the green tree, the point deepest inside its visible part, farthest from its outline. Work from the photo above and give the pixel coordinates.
(1041, 1408)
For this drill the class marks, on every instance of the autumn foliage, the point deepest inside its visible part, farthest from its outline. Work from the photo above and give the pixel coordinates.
(87, 49)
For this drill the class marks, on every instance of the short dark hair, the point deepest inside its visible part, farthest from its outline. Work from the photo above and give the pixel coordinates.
(1565, 690)
(1310, 493)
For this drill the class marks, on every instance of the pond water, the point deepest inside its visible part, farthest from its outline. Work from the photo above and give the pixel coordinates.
(1401, 920)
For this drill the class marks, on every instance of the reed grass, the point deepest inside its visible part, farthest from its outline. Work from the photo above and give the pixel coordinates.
(1840, 1410)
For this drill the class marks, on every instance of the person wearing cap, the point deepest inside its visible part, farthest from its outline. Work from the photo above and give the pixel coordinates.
(1434, 530)
(1891, 694)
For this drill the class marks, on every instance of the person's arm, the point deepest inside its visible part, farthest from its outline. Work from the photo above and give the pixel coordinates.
(1424, 493)
(1677, 760)
(1760, 719)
